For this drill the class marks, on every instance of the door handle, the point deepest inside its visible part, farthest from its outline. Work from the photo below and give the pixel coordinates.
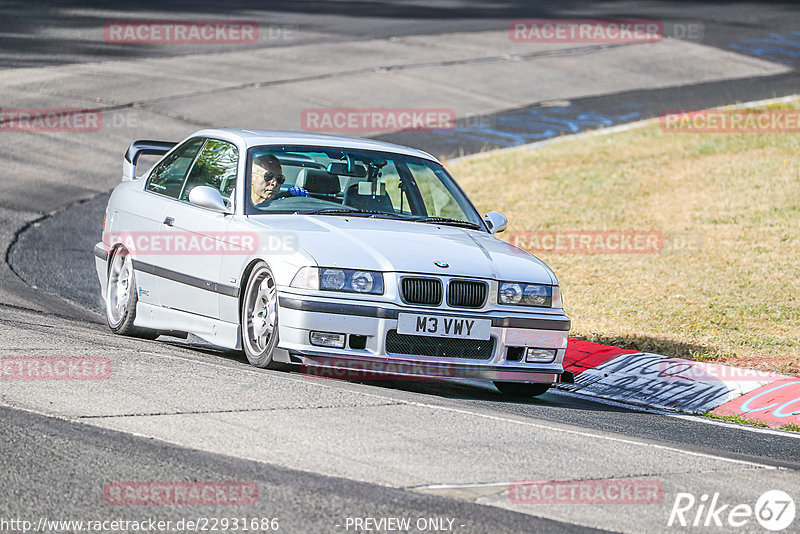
(169, 221)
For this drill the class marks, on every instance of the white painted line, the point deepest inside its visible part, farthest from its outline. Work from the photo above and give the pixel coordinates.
(686, 417)
(584, 434)
(457, 486)
(738, 426)
(594, 435)
(518, 482)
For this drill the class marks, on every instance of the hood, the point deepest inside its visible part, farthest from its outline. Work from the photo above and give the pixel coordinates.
(402, 246)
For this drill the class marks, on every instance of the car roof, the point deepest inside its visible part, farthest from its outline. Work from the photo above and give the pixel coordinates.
(252, 138)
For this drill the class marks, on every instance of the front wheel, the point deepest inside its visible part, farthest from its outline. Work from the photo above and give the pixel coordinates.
(518, 390)
(260, 318)
(121, 297)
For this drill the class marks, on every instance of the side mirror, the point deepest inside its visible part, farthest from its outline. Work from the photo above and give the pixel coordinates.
(208, 197)
(496, 222)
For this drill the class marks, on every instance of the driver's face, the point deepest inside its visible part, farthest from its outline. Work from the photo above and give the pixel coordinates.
(265, 188)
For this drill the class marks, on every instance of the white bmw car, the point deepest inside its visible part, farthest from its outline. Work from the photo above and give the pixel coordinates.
(357, 255)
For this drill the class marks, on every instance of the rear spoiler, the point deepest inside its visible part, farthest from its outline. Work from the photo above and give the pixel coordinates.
(137, 148)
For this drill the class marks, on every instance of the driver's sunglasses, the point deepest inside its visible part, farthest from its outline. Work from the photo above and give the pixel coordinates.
(269, 176)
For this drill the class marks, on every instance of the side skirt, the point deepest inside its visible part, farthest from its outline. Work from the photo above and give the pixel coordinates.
(216, 332)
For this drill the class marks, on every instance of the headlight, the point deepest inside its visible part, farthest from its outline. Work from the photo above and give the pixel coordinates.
(331, 279)
(529, 295)
(510, 293)
(363, 281)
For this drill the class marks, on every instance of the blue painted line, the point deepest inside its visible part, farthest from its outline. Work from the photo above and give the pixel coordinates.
(533, 125)
(776, 47)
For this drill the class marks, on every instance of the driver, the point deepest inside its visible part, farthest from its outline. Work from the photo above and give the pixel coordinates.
(267, 179)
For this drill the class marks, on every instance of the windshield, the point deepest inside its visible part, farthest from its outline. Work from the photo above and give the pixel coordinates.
(343, 181)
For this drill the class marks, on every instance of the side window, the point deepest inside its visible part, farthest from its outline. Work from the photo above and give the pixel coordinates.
(439, 202)
(391, 178)
(167, 177)
(215, 167)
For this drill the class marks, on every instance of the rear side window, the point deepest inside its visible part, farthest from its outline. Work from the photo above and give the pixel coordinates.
(167, 177)
(214, 167)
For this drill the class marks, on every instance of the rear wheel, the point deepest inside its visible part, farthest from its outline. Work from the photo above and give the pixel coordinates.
(260, 318)
(121, 297)
(517, 390)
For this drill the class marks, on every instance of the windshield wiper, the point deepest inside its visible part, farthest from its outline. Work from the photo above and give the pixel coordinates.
(335, 211)
(349, 211)
(449, 221)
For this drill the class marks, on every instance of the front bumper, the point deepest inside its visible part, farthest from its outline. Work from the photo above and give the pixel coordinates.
(299, 315)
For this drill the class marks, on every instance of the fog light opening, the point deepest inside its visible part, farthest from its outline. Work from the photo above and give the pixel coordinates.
(358, 342)
(540, 355)
(327, 339)
(514, 354)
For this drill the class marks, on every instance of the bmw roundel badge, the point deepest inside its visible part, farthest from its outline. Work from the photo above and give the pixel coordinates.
(441, 264)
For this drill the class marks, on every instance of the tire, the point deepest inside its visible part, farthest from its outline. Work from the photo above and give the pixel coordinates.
(259, 318)
(518, 390)
(121, 297)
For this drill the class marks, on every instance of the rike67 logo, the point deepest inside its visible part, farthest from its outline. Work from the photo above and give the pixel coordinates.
(774, 510)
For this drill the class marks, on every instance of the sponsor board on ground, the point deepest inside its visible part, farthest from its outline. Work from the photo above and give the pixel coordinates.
(660, 382)
(657, 381)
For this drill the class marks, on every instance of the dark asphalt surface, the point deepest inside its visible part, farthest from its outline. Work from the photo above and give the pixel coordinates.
(67, 482)
(534, 123)
(53, 468)
(731, 441)
(54, 32)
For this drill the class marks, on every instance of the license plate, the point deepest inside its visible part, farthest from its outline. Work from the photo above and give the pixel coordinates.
(442, 326)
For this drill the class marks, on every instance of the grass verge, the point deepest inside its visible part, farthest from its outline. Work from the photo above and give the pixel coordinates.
(736, 419)
(725, 284)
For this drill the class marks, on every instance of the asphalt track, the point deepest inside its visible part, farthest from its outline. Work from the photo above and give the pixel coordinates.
(57, 466)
